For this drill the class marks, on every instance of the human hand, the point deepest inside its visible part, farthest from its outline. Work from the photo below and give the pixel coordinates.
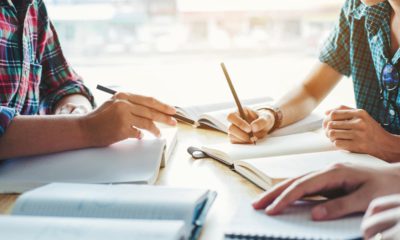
(73, 104)
(382, 218)
(124, 116)
(260, 123)
(352, 188)
(356, 131)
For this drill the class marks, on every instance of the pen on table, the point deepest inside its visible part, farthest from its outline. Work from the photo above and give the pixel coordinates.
(112, 92)
(235, 96)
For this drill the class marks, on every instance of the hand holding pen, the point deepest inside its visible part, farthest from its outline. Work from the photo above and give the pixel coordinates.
(124, 116)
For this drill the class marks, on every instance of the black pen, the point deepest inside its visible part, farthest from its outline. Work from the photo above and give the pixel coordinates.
(112, 92)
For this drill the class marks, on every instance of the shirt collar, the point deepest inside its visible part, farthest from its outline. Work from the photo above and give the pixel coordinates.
(374, 16)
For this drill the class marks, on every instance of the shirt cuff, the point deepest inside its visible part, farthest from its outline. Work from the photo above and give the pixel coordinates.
(49, 102)
(6, 116)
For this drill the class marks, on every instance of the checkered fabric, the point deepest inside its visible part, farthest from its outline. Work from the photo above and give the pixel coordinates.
(34, 74)
(359, 46)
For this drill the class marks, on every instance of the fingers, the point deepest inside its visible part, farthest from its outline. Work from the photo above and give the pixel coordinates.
(136, 133)
(237, 135)
(342, 107)
(380, 222)
(236, 120)
(149, 102)
(334, 135)
(334, 178)
(382, 204)
(269, 196)
(340, 207)
(124, 106)
(151, 114)
(345, 125)
(146, 124)
(264, 122)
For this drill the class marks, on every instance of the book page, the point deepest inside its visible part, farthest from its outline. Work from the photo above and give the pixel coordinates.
(310, 123)
(128, 161)
(294, 223)
(45, 228)
(274, 146)
(276, 169)
(194, 112)
(112, 201)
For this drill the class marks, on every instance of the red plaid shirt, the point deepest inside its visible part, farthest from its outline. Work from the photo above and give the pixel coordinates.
(34, 74)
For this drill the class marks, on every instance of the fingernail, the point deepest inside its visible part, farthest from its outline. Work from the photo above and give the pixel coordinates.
(173, 121)
(319, 213)
(270, 209)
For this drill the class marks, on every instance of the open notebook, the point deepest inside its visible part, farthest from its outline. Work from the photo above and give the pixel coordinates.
(182, 210)
(214, 116)
(129, 161)
(294, 223)
(277, 158)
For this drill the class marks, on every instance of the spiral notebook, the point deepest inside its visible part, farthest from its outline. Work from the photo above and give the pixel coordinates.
(294, 223)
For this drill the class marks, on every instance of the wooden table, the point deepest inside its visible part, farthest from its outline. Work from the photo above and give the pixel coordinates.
(183, 171)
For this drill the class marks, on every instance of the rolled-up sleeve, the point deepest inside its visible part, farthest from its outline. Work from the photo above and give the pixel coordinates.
(6, 116)
(336, 49)
(58, 78)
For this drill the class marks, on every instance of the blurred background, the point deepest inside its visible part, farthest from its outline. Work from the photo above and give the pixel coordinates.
(172, 48)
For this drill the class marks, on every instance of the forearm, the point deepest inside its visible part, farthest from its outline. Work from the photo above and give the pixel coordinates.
(32, 135)
(302, 100)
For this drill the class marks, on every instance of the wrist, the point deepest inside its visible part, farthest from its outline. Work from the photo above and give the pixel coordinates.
(276, 116)
(389, 147)
(86, 131)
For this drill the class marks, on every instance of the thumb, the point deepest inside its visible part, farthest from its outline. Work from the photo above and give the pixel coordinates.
(340, 207)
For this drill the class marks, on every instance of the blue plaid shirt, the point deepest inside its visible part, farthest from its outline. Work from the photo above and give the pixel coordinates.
(359, 46)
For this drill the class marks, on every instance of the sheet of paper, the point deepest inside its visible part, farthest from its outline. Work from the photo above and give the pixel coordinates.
(274, 146)
(129, 161)
(45, 228)
(195, 112)
(294, 223)
(290, 166)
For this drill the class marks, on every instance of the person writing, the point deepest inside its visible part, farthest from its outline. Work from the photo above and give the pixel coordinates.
(44, 105)
(364, 45)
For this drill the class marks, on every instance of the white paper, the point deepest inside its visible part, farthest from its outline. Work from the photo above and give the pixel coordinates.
(294, 223)
(274, 146)
(44, 228)
(129, 161)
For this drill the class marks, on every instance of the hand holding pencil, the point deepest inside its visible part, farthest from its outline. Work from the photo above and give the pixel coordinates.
(248, 126)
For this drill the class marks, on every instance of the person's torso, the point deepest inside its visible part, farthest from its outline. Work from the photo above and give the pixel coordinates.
(20, 69)
(370, 51)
